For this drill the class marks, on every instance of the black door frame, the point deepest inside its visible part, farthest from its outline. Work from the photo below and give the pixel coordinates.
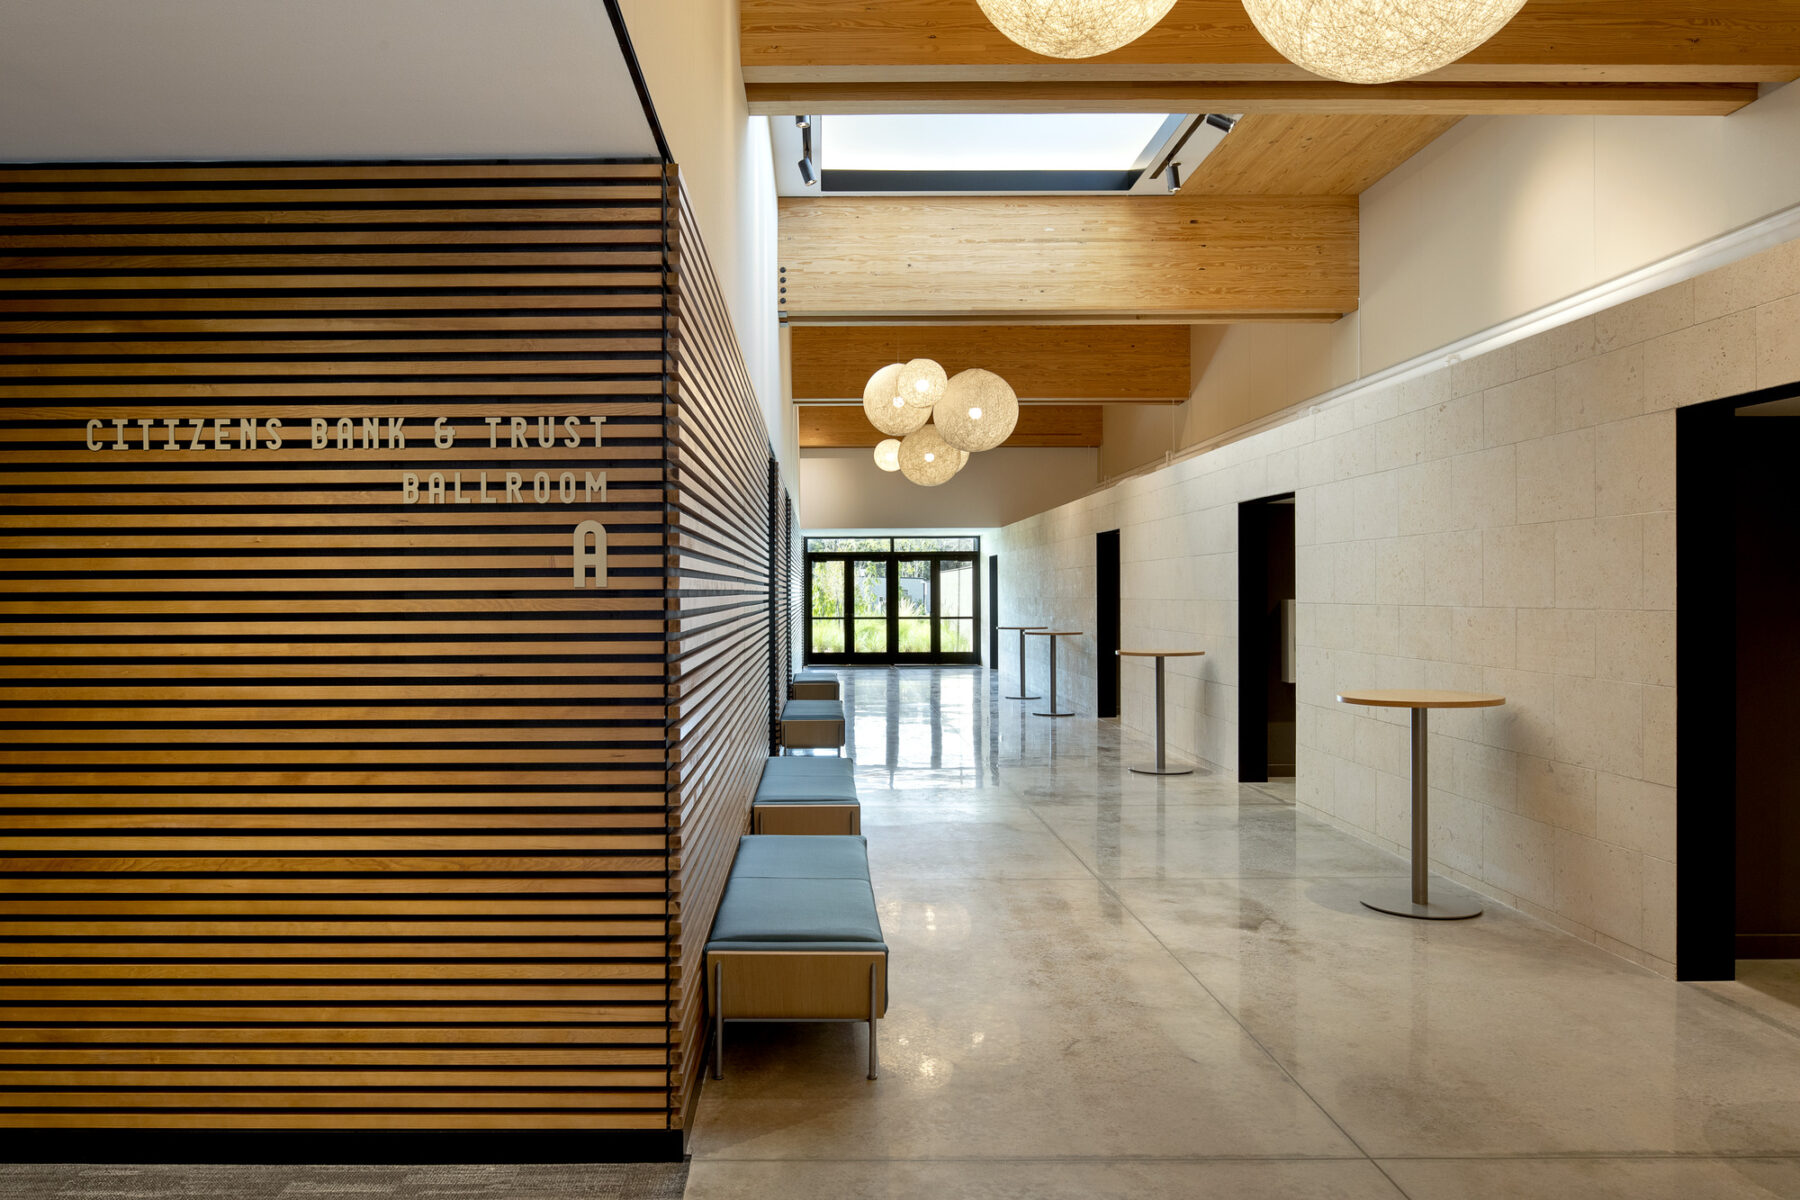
(1106, 623)
(936, 656)
(993, 612)
(1253, 604)
(1706, 674)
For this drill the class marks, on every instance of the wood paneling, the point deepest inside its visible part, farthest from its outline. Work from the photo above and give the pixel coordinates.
(1144, 363)
(723, 637)
(1039, 425)
(1087, 95)
(1279, 155)
(1072, 257)
(1626, 40)
(355, 811)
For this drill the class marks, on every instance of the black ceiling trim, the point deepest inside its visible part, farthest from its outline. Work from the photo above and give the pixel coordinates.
(977, 181)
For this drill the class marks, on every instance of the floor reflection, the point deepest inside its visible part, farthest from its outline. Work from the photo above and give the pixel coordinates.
(1119, 985)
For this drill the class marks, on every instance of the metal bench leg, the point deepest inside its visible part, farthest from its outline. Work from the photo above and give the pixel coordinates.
(718, 1020)
(874, 1007)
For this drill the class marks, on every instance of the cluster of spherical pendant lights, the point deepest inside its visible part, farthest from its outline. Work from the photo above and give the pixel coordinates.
(974, 410)
(1357, 41)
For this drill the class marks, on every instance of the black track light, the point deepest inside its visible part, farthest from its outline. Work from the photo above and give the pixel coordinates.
(802, 122)
(1173, 177)
(807, 174)
(1221, 122)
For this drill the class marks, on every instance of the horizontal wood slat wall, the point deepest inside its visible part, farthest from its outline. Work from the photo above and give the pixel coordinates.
(779, 669)
(721, 641)
(323, 809)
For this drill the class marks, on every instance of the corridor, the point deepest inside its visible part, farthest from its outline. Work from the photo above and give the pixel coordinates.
(1110, 985)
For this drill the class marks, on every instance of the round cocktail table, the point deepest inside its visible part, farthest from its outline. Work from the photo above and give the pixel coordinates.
(1161, 767)
(1398, 900)
(1052, 634)
(1023, 629)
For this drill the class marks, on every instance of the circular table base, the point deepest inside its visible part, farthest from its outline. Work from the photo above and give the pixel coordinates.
(1052, 714)
(1021, 697)
(1161, 770)
(1396, 900)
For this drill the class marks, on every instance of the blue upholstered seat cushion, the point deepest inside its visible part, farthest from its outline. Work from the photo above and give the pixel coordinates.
(759, 913)
(815, 677)
(807, 781)
(795, 856)
(813, 710)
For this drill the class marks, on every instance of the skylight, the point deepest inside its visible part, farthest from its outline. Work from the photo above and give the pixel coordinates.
(1015, 142)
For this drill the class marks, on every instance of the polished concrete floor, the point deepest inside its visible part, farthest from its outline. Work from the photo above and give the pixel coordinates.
(1109, 985)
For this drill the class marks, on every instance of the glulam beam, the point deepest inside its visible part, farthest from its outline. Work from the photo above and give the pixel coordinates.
(1613, 41)
(1077, 259)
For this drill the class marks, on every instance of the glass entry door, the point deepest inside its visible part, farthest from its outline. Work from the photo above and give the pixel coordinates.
(869, 605)
(914, 627)
(881, 600)
(956, 607)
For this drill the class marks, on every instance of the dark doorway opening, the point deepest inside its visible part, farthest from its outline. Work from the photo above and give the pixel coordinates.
(1737, 775)
(993, 612)
(1266, 698)
(1106, 622)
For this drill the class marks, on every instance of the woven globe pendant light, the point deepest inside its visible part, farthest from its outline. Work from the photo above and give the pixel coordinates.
(922, 383)
(884, 407)
(928, 460)
(1377, 41)
(978, 411)
(887, 454)
(1074, 28)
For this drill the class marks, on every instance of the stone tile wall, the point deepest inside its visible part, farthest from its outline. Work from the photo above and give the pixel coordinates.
(1505, 524)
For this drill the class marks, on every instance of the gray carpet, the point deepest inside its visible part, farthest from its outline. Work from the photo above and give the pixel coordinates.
(596, 1181)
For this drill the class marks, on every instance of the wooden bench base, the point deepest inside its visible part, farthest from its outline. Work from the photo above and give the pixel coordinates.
(806, 818)
(796, 985)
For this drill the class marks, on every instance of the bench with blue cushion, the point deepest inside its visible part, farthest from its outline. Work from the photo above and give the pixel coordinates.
(797, 938)
(812, 725)
(806, 796)
(814, 685)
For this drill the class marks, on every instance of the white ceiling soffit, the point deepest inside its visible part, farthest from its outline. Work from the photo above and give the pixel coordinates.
(269, 79)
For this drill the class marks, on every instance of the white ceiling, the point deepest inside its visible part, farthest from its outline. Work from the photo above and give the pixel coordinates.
(153, 79)
(988, 141)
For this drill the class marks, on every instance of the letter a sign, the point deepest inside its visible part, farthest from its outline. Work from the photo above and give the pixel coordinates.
(590, 556)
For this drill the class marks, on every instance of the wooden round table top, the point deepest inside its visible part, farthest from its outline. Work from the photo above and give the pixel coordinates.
(1159, 653)
(1021, 627)
(1042, 632)
(1421, 698)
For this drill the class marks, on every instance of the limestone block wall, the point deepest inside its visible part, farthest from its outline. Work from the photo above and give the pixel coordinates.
(1503, 524)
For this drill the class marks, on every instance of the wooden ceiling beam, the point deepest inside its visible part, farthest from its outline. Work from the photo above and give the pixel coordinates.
(844, 426)
(1647, 41)
(1076, 319)
(1146, 364)
(1264, 96)
(1082, 258)
(1293, 155)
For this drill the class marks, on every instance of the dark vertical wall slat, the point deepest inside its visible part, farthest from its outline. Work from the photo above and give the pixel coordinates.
(723, 645)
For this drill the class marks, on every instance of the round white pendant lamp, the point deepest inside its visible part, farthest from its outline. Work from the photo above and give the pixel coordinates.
(928, 460)
(1377, 41)
(884, 407)
(978, 411)
(922, 383)
(887, 454)
(1074, 28)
